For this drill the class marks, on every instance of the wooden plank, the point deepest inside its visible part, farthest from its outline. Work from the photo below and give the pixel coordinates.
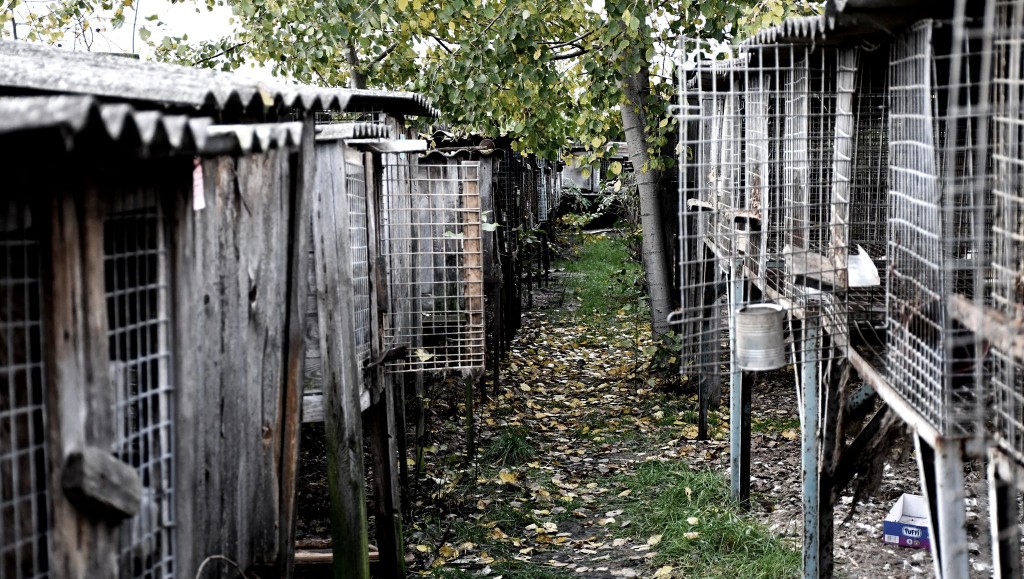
(387, 515)
(473, 286)
(300, 302)
(337, 345)
(100, 485)
(189, 300)
(842, 166)
(995, 327)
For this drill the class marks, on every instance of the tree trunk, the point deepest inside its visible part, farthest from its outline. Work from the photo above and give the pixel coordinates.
(656, 258)
(357, 78)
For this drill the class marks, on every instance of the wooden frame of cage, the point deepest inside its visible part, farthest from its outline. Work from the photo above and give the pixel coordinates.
(197, 310)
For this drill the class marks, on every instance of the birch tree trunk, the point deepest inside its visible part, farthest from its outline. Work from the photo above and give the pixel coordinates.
(656, 258)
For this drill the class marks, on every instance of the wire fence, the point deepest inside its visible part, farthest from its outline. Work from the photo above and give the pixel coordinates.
(25, 517)
(136, 270)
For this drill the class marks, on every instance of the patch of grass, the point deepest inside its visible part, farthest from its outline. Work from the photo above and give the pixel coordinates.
(775, 424)
(604, 277)
(509, 448)
(704, 533)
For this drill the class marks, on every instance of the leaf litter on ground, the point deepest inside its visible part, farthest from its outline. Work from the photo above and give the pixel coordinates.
(576, 392)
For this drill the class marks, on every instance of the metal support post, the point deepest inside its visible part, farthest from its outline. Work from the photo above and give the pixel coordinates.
(739, 402)
(942, 480)
(809, 445)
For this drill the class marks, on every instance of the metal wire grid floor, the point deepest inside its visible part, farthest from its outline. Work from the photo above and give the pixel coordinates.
(432, 241)
(355, 184)
(932, 241)
(136, 270)
(25, 517)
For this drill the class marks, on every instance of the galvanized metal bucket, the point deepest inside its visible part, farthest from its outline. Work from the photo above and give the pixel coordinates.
(760, 344)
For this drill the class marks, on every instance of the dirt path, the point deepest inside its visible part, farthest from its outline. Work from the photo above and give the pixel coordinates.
(576, 394)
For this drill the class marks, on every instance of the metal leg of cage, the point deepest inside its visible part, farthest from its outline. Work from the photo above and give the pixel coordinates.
(817, 506)
(740, 388)
(1006, 537)
(942, 481)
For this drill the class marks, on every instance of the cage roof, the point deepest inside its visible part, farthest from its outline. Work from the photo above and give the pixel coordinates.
(845, 19)
(27, 68)
(69, 119)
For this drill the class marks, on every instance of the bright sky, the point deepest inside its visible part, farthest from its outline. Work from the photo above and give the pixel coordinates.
(183, 17)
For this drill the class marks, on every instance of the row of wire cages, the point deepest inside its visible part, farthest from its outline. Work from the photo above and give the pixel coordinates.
(937, 224)
(781, 202)
(432, 242)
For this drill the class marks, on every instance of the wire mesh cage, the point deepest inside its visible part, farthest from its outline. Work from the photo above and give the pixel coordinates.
(432, 241)
(765, 172)
(135, 272)
(935, 242)
(24, 496)
(355, 184)
(1006, 203)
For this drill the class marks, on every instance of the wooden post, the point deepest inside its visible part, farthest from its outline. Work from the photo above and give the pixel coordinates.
(342, 423)
(1006, 555)
(76, 359)
(387, 514)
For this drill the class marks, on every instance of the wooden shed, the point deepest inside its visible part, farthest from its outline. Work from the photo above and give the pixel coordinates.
(152, 273)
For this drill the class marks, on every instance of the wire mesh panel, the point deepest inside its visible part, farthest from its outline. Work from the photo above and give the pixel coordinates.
(355, 183)
(765, 187)
(432, 241)
(869, 200)
(933, 241)
(24, 498)
(136, 270)
(1007, 247)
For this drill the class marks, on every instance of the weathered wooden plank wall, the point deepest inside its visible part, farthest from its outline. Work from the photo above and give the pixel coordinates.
(235, 361)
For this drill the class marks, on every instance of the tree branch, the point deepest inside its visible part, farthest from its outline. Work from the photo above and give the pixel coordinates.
(440, 42)
(491, 23)
(573, 54)
(572, 42)
(219, 54)
(383, 55)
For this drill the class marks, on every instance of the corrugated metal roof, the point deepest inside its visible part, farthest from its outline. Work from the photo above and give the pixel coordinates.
(32, 68)
(844, 19)
(802, 28)
(337, 131)
(152, 132)
(396, 102)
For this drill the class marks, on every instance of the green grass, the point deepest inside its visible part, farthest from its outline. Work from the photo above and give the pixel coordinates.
(775, 424)
(602, 278)
(666, 495)
(509, 448)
